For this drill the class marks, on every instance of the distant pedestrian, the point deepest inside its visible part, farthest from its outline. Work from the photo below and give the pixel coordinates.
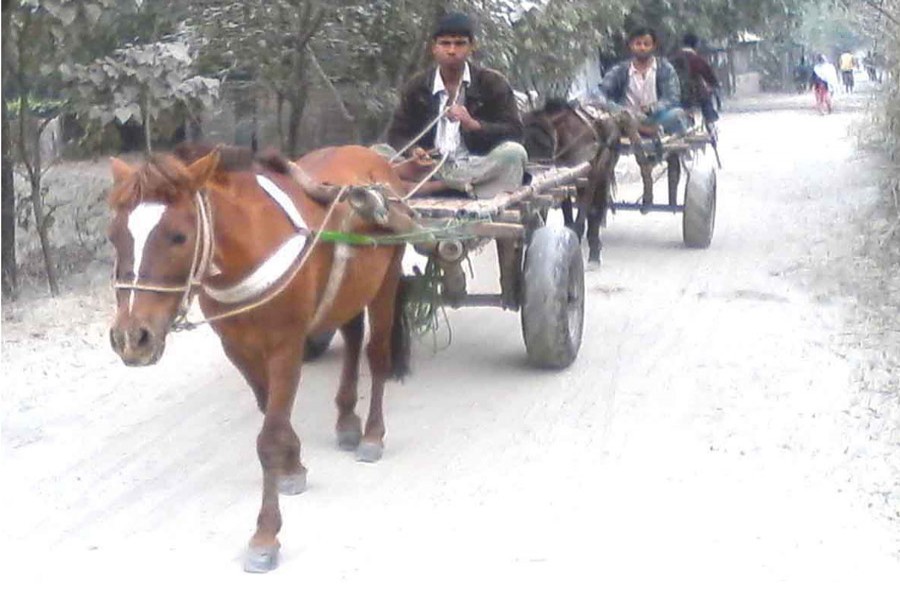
(824, 82)
(847, 63)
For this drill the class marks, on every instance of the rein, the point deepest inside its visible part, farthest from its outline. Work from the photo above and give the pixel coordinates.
(418, 137)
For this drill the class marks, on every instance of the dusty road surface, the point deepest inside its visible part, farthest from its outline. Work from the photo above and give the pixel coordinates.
(699, 446)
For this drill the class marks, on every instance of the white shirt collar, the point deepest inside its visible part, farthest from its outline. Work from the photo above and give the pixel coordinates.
(652, 69)
(438, 85)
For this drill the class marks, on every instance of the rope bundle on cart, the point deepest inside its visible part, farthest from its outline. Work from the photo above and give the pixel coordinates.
(423, 309)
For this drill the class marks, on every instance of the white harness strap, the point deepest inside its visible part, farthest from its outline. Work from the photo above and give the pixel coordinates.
(283, 200)
(264, 276)
(274, 267)
(342, 255)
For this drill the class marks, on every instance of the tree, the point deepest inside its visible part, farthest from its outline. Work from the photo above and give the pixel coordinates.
(265, 42)
(38, 34)
(8, 215)
(140, 83)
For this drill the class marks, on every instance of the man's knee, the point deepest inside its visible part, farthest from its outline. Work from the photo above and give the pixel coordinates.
(673, 120)
(510, 153)
(385, 150)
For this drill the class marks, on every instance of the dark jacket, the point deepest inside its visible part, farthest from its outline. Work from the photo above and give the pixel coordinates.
(696, 76)
(668, 88)
(489, 99)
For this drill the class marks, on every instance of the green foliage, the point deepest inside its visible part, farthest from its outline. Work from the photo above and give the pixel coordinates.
(137, 83)
(548, 46)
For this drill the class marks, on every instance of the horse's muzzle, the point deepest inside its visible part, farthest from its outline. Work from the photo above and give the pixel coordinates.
(137, 345)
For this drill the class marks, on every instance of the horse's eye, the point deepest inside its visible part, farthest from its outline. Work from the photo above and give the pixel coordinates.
(177, 238)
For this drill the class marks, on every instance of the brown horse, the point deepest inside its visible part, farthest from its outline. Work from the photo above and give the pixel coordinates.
(241, 235)
(567, 134)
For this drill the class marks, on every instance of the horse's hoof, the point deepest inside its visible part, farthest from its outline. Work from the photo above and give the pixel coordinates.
(261, 560)
(369, 452)
(293, 484)
(594, 258)
(348, 439)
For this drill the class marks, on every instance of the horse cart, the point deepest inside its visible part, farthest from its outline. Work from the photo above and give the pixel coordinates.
(695, 155)
(566, 133)
(541, 265)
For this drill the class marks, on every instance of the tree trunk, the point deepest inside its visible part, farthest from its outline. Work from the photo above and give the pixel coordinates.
(10, 283)
(30, 155)
(279, 114)
(146, 114)
(8, 220)
(296, 106)
(42, 221)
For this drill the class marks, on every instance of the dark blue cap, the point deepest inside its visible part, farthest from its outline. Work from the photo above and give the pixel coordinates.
(454, 23)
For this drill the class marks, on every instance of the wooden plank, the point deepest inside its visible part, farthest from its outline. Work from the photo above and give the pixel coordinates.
(497, 230)
(540, 183)
(466, 208)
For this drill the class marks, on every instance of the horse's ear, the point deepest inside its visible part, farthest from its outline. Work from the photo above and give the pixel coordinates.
(203, 168)
(121, 170)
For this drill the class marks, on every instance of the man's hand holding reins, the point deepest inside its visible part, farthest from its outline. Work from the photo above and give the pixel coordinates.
(459, 113)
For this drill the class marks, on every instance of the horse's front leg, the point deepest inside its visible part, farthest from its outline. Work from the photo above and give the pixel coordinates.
(674, 176)
(568, 213)
(647, 177)
(581, 203)
(383, 353)
(595, 201)
(278, 448)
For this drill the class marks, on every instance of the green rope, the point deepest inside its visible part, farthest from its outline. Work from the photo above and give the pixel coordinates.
(453, 230)
(424, 309)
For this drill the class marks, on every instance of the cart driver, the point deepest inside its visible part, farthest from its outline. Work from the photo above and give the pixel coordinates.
(479, 131)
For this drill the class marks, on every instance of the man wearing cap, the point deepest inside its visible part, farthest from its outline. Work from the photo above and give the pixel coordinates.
(478, 131)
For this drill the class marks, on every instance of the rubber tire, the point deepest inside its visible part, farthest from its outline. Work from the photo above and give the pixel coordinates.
(699, 219)
(553, 298)
(316, 345)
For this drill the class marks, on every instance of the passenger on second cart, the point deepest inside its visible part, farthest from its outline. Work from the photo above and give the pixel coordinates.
(646, 85)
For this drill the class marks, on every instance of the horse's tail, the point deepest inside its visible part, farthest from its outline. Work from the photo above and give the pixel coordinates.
(401, 341)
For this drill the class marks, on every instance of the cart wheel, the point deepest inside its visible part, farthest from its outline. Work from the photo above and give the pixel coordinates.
(553, 305)
(316, 345)
(699, 218)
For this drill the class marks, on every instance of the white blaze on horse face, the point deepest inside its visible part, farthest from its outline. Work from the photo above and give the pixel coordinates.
(141, 223)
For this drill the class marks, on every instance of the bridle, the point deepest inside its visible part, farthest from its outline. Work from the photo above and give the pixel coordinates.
(200, 263)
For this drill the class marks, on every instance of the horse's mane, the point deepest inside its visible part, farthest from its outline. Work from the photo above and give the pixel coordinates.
(163, 174)
(537, 119)
(555, 105)
(233, 158)
(538, 134)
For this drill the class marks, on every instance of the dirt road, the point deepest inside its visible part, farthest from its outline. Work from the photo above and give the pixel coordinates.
(700, 445)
